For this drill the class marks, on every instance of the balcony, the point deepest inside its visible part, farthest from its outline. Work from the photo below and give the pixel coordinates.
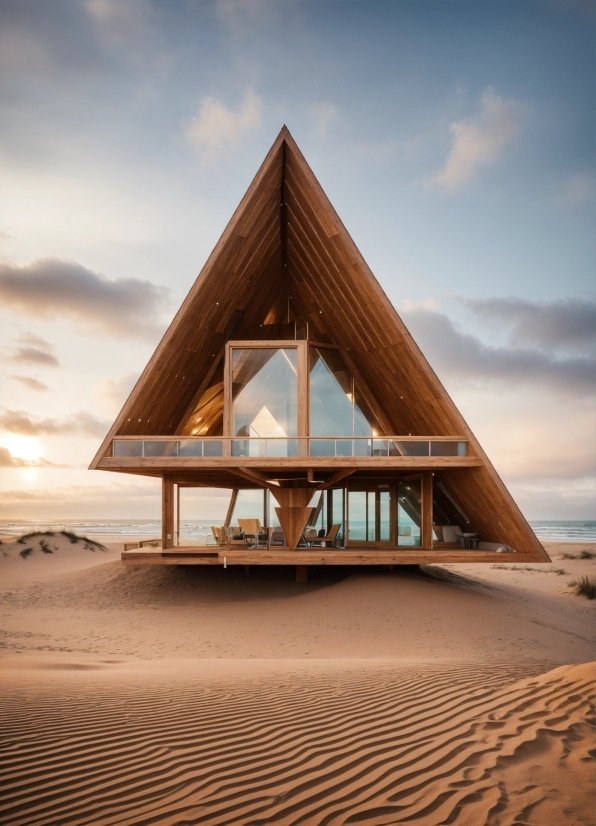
(214, 448)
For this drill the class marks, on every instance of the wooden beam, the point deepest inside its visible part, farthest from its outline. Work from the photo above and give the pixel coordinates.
(426, 526)
(338, 476)
(301, 573)
(254, 475)
(167, 512)
(231, 507)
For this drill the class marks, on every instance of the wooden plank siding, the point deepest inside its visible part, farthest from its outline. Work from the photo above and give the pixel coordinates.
(285, 257)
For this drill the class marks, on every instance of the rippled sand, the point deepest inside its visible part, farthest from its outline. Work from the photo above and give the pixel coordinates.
(136, 696)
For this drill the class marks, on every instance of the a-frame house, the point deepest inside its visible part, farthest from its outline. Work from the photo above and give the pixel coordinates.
(288, 371)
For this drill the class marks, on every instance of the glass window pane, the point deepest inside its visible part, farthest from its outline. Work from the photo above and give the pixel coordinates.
(192, 447)
(264, 392)
(239, 447)
(336, 406)
(344, 447)
(380, 447)
(160, 448)
(371, 516)
(213, 448)
(357, 515)
(408, 513)
(127, 448)
(322, 447)
(384, 516)
(412, 448)
(443, 448)
(250, 504)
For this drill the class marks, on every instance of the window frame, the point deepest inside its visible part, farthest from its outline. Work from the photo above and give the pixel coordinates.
(302, 379)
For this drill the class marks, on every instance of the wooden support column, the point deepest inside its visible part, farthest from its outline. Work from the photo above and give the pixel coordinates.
(301, 573)
(167, 512)
(426, 527)
(293, 513)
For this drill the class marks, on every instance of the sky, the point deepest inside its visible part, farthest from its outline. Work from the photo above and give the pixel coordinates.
(455, 139)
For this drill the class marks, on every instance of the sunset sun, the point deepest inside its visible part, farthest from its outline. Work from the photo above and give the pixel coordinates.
(23, 447)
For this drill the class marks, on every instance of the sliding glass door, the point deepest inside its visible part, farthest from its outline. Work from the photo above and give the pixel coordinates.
(369, 515)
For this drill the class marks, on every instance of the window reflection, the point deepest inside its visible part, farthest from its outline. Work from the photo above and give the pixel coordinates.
(337, 408)
(408, 513)
(264, 394)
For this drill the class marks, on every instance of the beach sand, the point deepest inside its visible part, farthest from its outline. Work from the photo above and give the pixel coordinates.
(168, 695)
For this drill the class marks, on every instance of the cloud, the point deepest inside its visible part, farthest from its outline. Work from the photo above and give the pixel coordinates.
(35, 351)
(479, 140)
(112, 393)
(79, 424)
(563, 326)
(579, 189)
(325, 114)
(35, 356)
(464, 357)
(119, 21)
(215, 130)
(8, 460)
(55, 288)
(31, 383)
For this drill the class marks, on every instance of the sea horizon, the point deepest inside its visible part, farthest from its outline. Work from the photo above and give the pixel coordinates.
(549, 530)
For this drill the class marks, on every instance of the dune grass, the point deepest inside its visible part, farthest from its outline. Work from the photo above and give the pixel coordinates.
(584, 587)
(557, 571)
(22, 540)
(581, 555)
(44, 546)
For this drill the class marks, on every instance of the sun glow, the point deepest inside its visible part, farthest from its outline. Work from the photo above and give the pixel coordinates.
(27, 448)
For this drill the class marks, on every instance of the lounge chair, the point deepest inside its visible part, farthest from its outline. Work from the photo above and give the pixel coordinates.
(254, 533)
(326, 541)
(219, 534)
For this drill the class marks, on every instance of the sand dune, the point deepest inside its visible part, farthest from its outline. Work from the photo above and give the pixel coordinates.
(177, 696)
(379, 744)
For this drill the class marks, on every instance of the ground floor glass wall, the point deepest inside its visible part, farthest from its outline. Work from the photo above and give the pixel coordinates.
(409, 513)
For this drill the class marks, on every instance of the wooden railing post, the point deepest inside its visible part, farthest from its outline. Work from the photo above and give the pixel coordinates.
(167, 512)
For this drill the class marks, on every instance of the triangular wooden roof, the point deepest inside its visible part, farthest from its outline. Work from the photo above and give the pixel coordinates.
(285, 260)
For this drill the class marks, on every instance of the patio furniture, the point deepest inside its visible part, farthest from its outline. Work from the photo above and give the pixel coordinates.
(219, 534)
(235, 536)
(330, 538)
(255, 535)
(452, 533)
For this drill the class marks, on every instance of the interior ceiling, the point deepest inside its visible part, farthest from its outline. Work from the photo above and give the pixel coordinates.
(286, 261)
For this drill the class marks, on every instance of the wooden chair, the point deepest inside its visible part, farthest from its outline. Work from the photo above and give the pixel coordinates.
(255, 533)
(219, 534)
(331, 538)
(235, 536)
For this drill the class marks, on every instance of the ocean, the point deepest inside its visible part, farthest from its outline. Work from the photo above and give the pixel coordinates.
(583, 530)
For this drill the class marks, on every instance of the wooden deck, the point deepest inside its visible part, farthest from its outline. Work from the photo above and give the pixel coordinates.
(214, 555)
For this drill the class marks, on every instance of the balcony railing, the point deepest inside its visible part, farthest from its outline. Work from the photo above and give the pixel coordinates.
(213, 447)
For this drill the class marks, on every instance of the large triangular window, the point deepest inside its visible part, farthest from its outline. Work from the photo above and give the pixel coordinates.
(337, 407)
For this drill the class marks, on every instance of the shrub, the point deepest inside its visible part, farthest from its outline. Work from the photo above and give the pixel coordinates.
(587, 555)
(586, 587)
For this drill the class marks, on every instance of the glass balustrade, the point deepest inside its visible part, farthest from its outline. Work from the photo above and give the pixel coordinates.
(283, 447)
